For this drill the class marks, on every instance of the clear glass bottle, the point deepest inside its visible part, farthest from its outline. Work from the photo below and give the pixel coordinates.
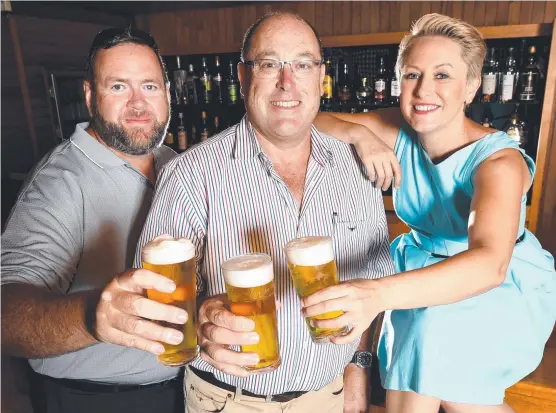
(395, 89)
(192, 85)
(508, 79)
(343, 88)
(381, 80)
(364, 92)
(491, 75)
(516, 129)
(180, 83)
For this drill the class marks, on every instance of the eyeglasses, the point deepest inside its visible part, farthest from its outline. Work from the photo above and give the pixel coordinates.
(270, 68)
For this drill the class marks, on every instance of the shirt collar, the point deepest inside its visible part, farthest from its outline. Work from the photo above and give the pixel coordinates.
(103, 157)
(247, 145)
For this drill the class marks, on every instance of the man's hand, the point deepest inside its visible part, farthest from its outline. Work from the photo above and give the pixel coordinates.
(123, 313)
(219, 328)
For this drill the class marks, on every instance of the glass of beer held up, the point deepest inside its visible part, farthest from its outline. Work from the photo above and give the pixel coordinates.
(249, 282)
(174, 258)
(313, 268)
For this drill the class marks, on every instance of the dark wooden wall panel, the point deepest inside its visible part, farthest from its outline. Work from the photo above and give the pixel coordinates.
(195, 31)
(45, 45)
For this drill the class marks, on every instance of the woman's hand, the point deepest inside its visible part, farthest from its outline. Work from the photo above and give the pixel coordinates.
(380, 161)
(358, 299)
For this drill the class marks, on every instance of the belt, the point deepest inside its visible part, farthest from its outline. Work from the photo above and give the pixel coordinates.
(279, 398)
(95, 387)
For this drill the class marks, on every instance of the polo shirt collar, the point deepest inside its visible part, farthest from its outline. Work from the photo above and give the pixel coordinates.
(101, 155)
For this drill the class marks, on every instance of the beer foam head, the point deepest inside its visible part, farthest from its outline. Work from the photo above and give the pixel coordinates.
(310, 251)
(248, 270)
(166, 249)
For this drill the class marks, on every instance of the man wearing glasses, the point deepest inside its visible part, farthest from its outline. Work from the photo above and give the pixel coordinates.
(252, 188)
(68, 303)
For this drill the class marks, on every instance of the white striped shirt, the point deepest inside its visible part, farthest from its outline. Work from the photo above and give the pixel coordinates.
(225, 196)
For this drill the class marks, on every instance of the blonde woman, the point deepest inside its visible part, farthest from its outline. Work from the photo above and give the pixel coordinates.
(474, 300)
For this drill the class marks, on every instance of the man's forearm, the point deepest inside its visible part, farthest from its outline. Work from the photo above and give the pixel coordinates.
(37, 323)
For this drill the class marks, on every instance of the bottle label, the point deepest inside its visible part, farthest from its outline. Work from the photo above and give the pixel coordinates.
(508, 86)
(327, 85)
(528, 86)
(232, 93)
(489, 84)
(204, 135)
(380, 85)
(395, 88)
(182, 140)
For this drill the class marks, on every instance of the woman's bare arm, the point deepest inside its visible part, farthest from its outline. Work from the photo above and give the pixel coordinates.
(374, 135)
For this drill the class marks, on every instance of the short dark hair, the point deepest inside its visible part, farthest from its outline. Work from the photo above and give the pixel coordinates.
(108, 38)
(270, 15)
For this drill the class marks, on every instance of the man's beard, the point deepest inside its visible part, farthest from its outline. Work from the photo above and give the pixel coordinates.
(116, 137)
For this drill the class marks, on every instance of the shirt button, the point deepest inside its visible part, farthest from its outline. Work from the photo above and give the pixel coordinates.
(297, 379)
(305, 345)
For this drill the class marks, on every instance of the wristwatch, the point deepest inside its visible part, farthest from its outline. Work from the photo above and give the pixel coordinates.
(362, 359)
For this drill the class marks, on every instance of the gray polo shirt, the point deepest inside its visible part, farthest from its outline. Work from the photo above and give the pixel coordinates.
(75, 225)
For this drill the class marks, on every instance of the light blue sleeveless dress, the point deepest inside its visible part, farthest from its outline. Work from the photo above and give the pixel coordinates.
(470, 351)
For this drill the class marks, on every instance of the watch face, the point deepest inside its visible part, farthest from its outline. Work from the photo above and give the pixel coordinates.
(364, 359)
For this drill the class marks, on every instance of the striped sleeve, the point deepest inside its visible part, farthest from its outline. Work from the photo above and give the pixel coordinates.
(179, 209)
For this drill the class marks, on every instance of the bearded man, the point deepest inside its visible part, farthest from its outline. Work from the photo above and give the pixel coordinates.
(69, 305)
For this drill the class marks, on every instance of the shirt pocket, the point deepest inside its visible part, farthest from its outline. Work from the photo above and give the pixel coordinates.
(353, 239)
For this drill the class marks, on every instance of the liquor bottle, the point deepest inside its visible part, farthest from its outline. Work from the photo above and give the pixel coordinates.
(182, 134)
(516, 129)
(180, 83)
(343, 89)
(205, 82)
(395, 89)
(217, 82)
(328, 83)
(192, 85)
(193, 133)
(364, 92)
(529, 76)
(216, 124)
(509, 78)
(232, 86)
(204, 126)
(486, 122)
(380, 82)
(490, 78)
(169, 140)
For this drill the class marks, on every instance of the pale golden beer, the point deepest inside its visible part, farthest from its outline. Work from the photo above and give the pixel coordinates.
(174, 258)
(313, 268)
(249, 282)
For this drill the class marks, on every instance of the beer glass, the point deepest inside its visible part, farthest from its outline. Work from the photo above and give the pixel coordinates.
(312, 267)
(174, 258)
(249, 283)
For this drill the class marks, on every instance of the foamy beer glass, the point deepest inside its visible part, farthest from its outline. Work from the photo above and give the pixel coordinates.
(312, 267)
(174, 258)
(249, 282)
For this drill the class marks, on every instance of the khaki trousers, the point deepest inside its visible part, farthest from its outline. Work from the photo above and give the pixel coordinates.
(203, 397)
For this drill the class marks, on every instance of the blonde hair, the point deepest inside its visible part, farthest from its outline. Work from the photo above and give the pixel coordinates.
(473, 48)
